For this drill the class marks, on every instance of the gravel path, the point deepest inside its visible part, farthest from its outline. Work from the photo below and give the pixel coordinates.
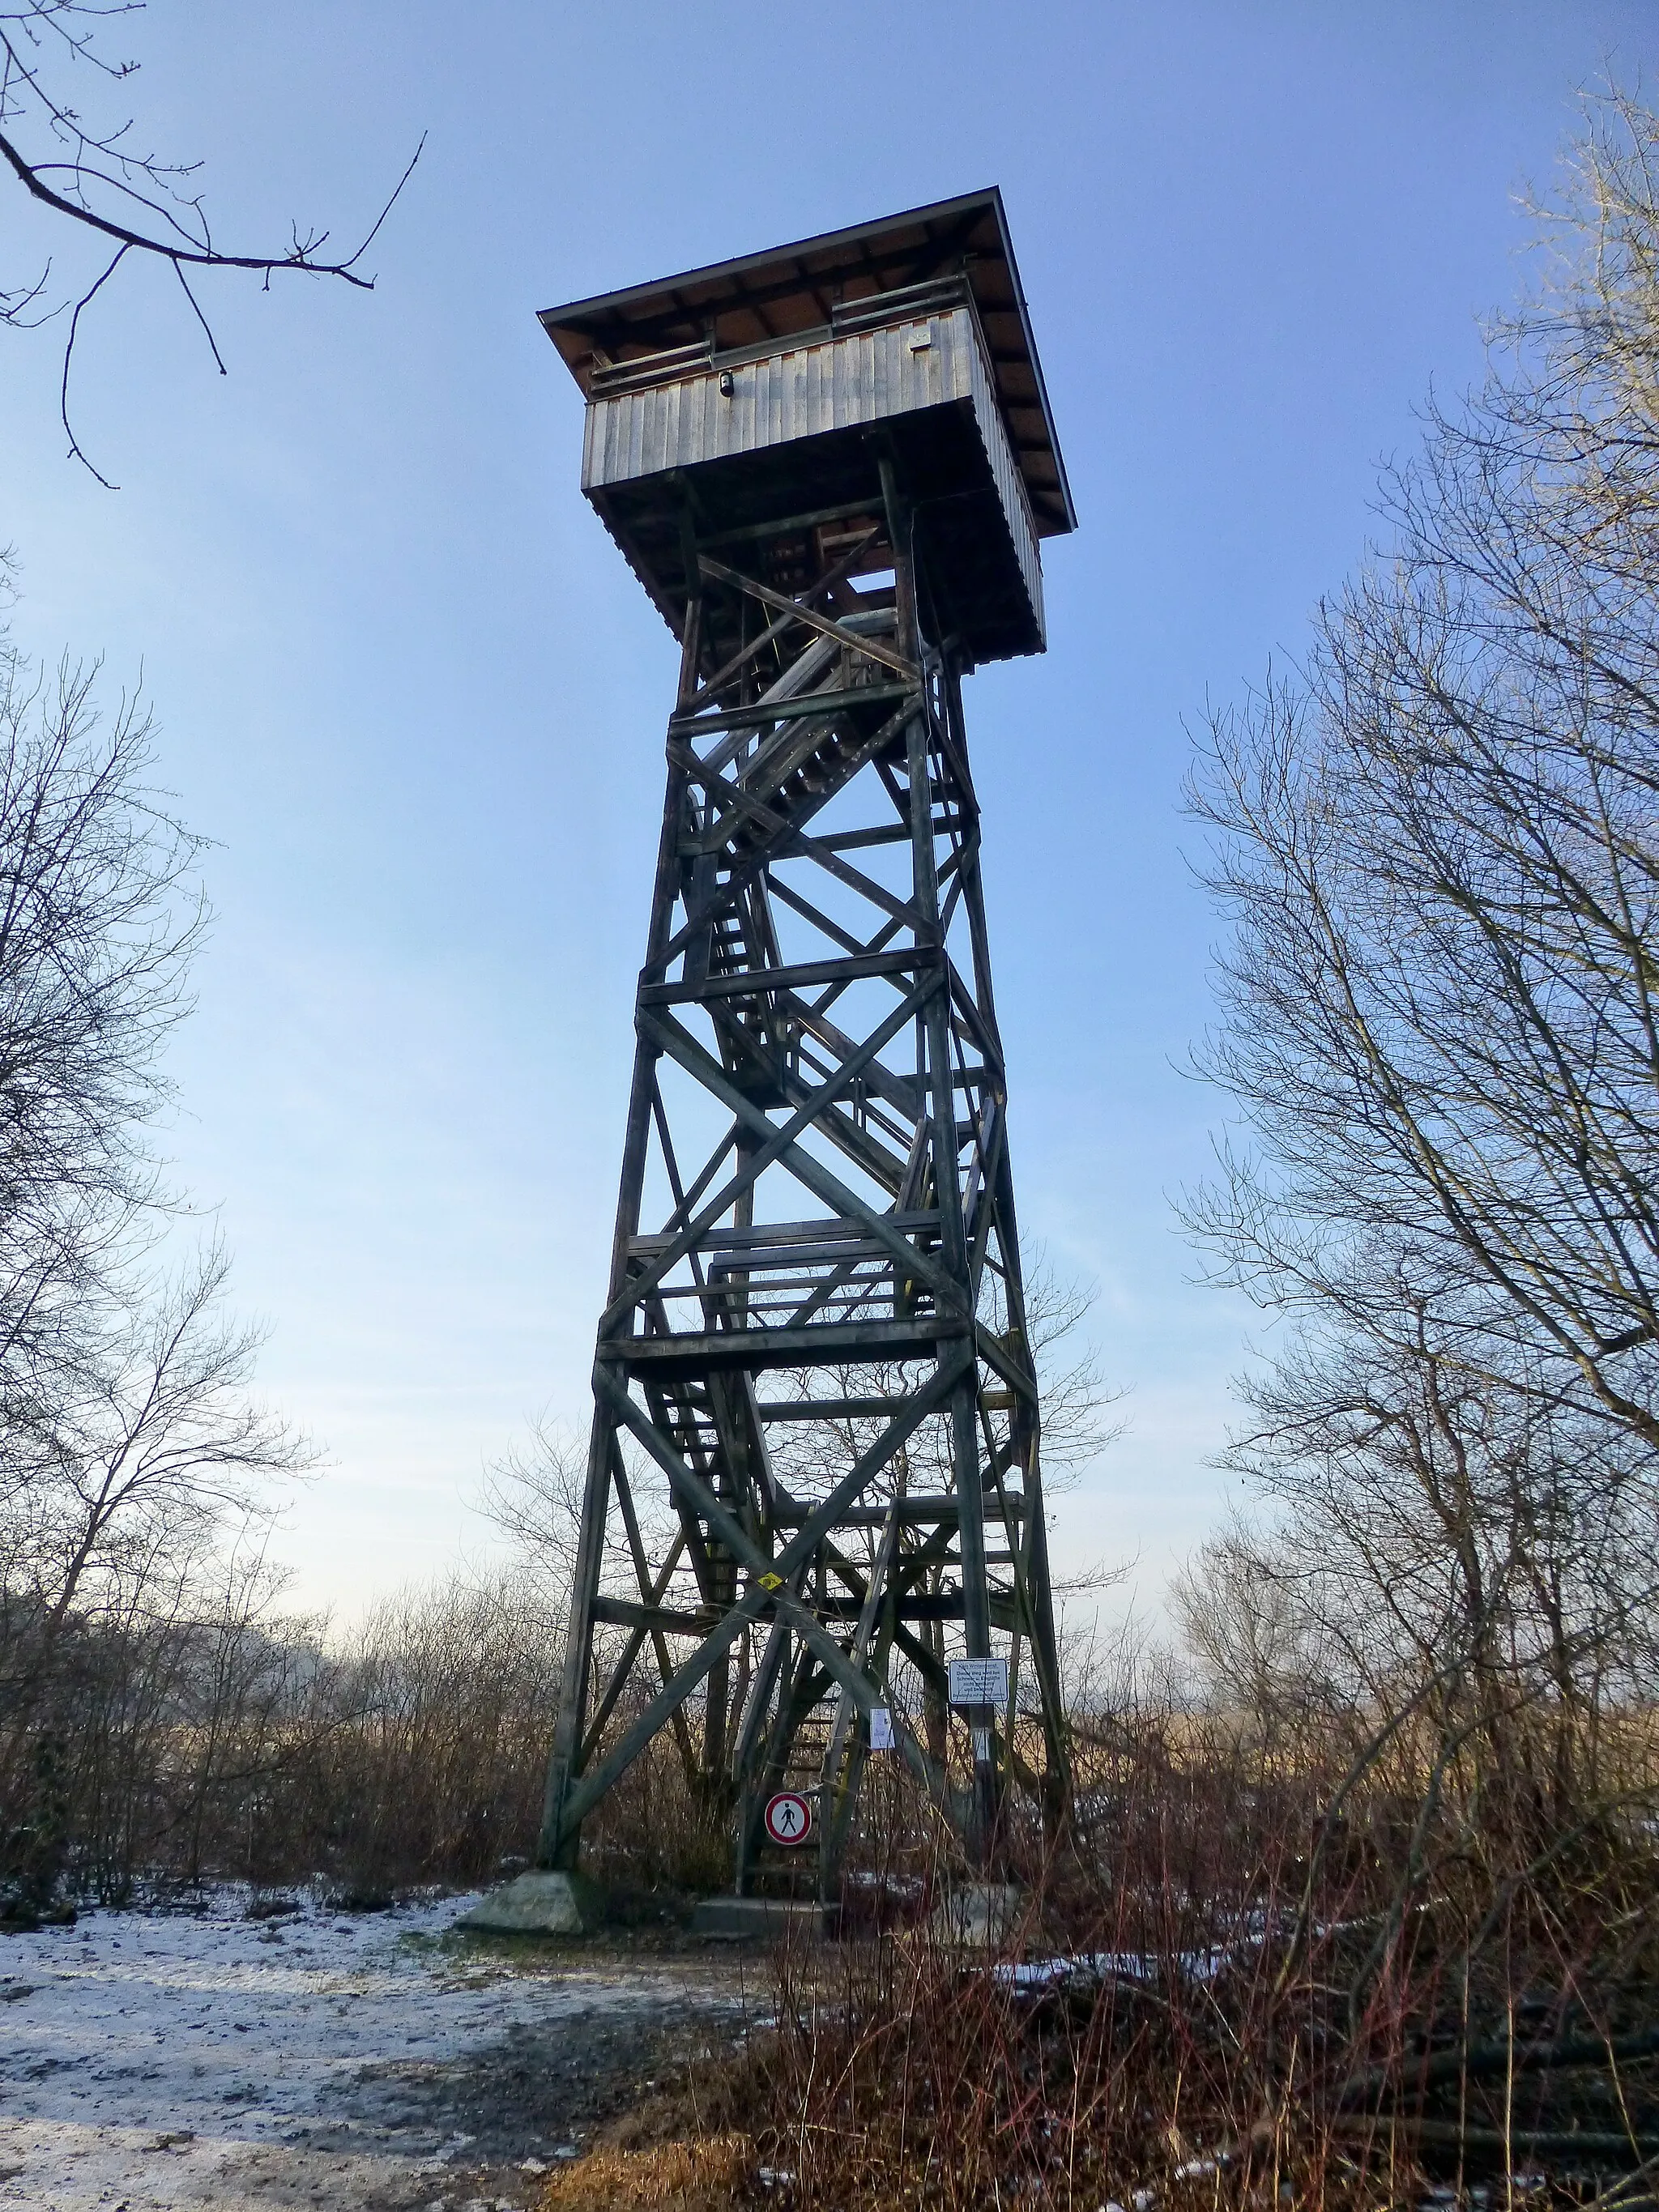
(152, 2060)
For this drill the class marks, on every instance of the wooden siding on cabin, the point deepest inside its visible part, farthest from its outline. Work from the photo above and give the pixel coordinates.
(833, 383)
(1004, 471)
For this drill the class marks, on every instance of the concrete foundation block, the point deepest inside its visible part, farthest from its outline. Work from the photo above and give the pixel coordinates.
(755, 1919)
(538, 1904)
(980, 1915)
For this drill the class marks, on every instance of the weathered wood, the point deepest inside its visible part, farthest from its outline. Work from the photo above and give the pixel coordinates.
(811, 518)
(783, 837)
(764, 1351)
(802, 1164)
(822, 624)
(918, 1511)
(830, 1229)
(578, 1800)
(779, 1144)
(757, 982)
(824, 1409)
(738, 660)
(823, 705)
(707, 1298)
(625, 1663)
(649, 1618)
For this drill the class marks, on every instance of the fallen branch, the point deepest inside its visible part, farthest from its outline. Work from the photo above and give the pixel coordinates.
(1487, 2059)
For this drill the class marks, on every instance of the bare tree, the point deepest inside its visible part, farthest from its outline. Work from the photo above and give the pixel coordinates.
(159, 1435)
(534, 1495)
(127, 1432)
(99, 916)
(109, 1525)
(99, 180)
(1440, 848)
(1438, 843)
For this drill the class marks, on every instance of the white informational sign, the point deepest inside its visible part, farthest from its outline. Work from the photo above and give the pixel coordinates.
(978, 1682)
(881, 1728)
(788, 1818)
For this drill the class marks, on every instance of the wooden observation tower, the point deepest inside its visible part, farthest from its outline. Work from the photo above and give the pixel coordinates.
(813, 1488)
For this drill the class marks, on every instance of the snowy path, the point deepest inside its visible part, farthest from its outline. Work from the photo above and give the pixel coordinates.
(166, 2060)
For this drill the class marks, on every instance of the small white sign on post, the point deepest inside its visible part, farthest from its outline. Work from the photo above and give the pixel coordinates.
(881, 1727)
(978, 1682)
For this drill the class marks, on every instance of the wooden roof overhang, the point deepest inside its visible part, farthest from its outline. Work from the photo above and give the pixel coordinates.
(779, 296)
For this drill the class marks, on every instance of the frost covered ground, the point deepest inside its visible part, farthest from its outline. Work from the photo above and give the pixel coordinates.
(155, 2060)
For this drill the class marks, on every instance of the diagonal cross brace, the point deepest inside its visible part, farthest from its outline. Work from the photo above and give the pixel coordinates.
(696, 1493)
(727, 669)
(785, 840)
(755, 1600)
(817, 1179)
(825, 625)
(780, 1139)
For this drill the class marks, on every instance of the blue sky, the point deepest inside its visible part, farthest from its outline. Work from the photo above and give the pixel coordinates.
(408, 686)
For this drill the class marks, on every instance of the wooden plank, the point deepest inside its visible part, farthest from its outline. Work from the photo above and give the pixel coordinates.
(813, 518)
(849, 970)
(621, 1613)
(769, 1258)
(824, 704)
(823, 1409)
(941, 1509)
(852, 841)
(914, 1223)
(820, 1344)
(886, 833)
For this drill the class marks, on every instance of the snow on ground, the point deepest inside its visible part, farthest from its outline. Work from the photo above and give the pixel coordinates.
(154, 2061)
(1086, 1970)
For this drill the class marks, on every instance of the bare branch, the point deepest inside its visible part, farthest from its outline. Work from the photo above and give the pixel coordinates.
(99, 184)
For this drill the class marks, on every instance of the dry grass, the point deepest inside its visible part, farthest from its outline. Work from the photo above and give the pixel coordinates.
(1288, 1992)
(709, 2174)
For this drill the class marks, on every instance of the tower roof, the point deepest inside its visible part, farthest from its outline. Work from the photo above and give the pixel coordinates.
(763, 298)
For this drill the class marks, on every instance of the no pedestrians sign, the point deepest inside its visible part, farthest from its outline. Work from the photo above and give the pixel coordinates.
(788, 1818)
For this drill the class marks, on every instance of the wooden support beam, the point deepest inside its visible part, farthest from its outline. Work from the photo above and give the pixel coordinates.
(717, 573)
(764, 1351)
(822, 704)
(755, 1595)
(758, 981)
(651, 1618)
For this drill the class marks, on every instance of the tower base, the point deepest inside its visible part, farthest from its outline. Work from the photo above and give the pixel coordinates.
(757, 1919)
(538, 1904)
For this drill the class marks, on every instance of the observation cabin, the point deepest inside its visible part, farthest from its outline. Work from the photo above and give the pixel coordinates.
(750, 405)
